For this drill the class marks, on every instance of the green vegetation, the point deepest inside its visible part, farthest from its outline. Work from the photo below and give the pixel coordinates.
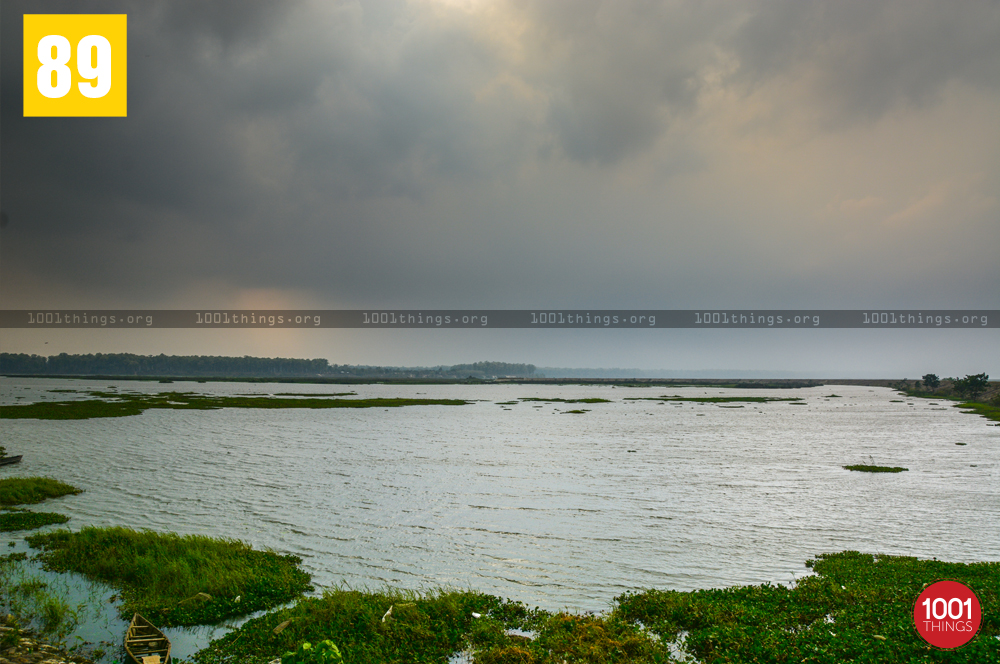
(931, 381)
(175, 580)
(113, 404)
(15, 519)
(310, 394)
(834, 396)
(31, 490)
(876, 469)
(989, 411)
(325, 652)
(714, 399)
(399, 626)
(858, 608)
(971, 386)
(30, 603)
(420, 628)
(575, 412)
(588, 400)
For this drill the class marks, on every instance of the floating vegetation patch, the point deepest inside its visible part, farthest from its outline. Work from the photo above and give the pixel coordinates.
(715, 399)
(109, 404)
(507, 403)
(575, 412)
(12, 520)
(895, 401)
(311, 394)
(31, 490)
(857, 607)
(588, 400)
(876, 469)
(834, 396)
(379, 627)
(961, 443)
(175, 580)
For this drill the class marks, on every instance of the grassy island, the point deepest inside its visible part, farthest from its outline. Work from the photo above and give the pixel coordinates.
(12, 519)
(114, 404)
(876, 469)
(175, 580)
(31, 490)
(715, 399)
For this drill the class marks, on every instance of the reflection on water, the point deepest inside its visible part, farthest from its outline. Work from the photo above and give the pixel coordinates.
(525, 501)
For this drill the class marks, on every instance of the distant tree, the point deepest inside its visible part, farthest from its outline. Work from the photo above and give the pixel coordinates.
(972, 386)
(931, 381)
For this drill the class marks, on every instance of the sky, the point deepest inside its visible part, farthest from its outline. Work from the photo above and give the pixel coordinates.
(495, 154)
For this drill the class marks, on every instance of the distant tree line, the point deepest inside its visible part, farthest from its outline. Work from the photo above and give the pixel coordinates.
(127, 364)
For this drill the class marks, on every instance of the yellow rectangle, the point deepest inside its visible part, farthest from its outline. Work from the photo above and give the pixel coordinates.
(78, 49)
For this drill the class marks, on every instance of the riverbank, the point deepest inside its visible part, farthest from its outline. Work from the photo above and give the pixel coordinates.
(23, 647)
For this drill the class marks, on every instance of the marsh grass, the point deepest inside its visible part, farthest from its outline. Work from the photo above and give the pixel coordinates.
(114, 404)
(988, 411)
(160, 575)
(587, 400)
(715, 399)
(25, 520)
(31, 490)
(876, 469)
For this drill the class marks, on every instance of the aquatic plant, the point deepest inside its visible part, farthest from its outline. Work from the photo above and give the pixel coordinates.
(173, 579)
(858, 607)
(12, 520)
(30, 490)
(31, 603)
(876, 469)
(324, 652)
(114, 404)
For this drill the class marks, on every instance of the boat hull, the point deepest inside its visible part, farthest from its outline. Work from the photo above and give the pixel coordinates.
(6, 461)
(145, 644)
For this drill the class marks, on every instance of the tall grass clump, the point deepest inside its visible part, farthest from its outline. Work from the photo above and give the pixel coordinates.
(31, 490)
(173, 579)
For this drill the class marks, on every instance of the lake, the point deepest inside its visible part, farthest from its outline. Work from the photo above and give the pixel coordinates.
(527, 501)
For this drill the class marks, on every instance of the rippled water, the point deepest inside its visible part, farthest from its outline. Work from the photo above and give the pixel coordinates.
(526, 501)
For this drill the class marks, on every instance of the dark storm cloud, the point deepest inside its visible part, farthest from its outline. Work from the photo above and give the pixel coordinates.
(399, 151)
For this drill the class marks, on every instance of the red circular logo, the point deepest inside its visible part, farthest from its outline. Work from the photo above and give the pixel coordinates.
(947, 614)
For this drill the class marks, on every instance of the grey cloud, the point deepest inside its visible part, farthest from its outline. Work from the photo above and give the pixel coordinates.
(868, 57)
(373, 152)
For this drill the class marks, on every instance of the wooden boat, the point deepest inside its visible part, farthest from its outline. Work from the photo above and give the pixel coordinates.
(4, 461)
(145, 644)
